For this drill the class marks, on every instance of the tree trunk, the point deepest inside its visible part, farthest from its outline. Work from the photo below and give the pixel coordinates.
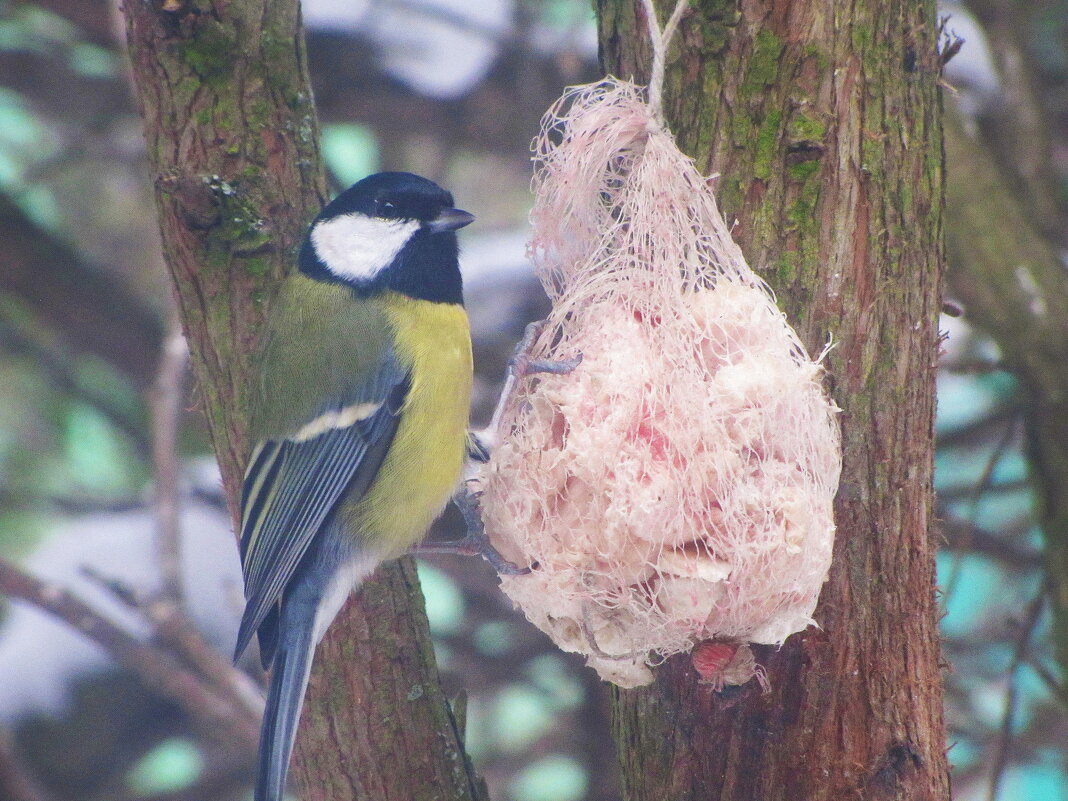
(233, 143)
(823, 122)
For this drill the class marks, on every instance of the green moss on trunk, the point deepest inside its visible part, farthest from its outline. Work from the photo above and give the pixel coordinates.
(233, 141)
(823, 123)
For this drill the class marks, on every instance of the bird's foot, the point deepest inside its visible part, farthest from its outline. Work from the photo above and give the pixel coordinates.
(475, 542)
(522, 365)
(476, 545)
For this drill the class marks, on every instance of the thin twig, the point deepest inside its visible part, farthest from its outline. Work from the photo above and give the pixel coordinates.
(1053, 684)
(1004, 740)
(74, 505)
(960, 535)
(981, 487)
(956, 492)
(976, 431)
(155, 668)
(975, 366)
(166, 403)
(175, 631)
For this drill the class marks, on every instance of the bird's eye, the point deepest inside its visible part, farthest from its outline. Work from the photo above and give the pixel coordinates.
(387, 208)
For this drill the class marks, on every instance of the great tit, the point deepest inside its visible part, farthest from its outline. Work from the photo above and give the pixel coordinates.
(359, 416)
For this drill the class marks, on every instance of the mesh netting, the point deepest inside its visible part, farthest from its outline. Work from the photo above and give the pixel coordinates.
(677, 486)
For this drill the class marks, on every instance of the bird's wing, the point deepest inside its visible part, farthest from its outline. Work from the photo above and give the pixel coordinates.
(292, 484)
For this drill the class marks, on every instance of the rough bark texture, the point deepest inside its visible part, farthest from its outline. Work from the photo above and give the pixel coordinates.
(1013, 286)
(823, 122)
(390, 710)
(233, 143)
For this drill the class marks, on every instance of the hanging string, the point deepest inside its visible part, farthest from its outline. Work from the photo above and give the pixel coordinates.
(660, 41)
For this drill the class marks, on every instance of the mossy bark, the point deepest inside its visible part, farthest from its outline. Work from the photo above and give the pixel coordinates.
(233, 144)
(823, 122)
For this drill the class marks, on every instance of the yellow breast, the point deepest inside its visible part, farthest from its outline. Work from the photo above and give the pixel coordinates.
(425, 461)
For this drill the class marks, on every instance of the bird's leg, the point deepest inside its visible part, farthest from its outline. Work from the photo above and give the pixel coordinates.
(475, 542)
(519, 366)
(479, 447)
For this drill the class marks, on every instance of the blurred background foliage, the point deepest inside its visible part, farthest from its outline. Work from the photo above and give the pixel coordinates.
(454, 91)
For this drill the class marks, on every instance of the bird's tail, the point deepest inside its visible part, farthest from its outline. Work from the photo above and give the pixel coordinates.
(289, 678)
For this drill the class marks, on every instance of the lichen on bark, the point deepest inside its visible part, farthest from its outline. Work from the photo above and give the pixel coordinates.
(822, 122)
(234, 149)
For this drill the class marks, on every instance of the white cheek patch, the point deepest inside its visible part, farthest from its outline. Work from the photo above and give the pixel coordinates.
(357, 247)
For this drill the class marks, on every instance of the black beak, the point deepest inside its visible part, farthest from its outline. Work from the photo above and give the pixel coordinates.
(448, 220)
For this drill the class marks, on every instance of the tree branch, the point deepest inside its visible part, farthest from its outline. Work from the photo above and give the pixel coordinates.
(1020, 126)
(156, 669)
(1004, 740)
(233, 144)
(982, 486)
(78, 301)
(1015, 289)
(173, 630)
(963, 536)
(165, 400)
(57, 365)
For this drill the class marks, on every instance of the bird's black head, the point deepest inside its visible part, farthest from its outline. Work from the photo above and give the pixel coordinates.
(391, 231)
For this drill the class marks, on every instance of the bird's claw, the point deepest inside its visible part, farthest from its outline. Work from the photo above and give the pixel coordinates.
(477, 545)
(475, 542)
(522, 365)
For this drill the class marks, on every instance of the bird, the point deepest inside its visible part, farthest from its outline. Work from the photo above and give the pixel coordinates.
(359, 415)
